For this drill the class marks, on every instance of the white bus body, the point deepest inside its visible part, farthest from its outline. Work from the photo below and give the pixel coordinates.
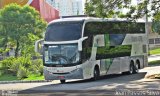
(84, 48)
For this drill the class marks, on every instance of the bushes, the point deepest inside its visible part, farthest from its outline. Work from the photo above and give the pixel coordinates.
(37, 66)
(22, 67)
(22, 72)
(6, 65)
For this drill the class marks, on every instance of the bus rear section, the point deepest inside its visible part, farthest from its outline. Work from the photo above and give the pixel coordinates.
(118, 46)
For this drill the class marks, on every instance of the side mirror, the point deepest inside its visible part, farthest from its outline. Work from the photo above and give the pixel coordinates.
(80, 43)
(39, 46)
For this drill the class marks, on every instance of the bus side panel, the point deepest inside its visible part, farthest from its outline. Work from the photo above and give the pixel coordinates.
(104, 66)
(139, 47)
(87, 69)
(114, 67)
(124, 64)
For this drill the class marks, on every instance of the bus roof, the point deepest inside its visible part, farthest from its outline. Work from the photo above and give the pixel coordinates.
(92, 19)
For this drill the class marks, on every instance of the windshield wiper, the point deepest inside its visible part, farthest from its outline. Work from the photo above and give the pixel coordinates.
(58, 57)
(73, 57)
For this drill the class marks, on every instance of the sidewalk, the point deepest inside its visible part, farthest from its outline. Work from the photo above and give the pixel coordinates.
(153, 57)
(151, 70)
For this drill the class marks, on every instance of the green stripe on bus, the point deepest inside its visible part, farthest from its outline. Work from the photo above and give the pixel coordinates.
(108, 63)
(107, 42)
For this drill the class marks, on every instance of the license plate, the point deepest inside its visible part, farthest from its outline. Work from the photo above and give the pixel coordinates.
(60, 77)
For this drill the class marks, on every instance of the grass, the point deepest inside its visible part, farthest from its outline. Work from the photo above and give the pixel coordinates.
(154, 51)
(156, 62)
(8, 77)
(34, 77)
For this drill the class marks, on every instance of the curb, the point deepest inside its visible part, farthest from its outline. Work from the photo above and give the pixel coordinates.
(153, 55)
(23, 81)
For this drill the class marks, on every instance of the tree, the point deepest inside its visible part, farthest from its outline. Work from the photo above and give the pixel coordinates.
(18, 23)
(113, 8)
(106, 8)
(146, 7)
(156, 23)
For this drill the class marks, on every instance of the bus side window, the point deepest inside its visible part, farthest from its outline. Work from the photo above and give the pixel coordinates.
(87, 48)
(87, 44)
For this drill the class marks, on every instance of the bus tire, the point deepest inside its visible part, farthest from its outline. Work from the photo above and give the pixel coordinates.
(131, 69)
(135, 68)
(62, 81)
(96, 73)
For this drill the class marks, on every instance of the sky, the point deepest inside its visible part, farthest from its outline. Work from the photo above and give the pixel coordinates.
(83, 3)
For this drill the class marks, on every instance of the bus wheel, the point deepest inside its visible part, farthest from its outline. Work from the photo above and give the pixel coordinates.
(131, 69)
(62, 81)
(96, 73)
(135, 68)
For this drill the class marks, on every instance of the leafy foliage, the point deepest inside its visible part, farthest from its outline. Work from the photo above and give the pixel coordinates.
(6, 64)
(156, 23)
(113, 8)
(106, 8)
(21, 67)
(22, 72)
(37, 67)
(20, 27)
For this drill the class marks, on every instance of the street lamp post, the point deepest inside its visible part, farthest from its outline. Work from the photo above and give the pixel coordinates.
(147, 31)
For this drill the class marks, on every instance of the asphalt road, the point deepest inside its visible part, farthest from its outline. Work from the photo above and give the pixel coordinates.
(108, 85)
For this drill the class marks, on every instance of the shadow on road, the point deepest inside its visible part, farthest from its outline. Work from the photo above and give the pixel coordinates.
(113, 77)
(111, 82)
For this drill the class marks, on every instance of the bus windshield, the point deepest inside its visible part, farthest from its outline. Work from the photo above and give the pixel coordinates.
(64, 31)
(61, 54)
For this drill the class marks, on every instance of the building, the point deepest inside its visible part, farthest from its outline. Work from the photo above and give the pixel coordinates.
(46, 10)
(68, 7)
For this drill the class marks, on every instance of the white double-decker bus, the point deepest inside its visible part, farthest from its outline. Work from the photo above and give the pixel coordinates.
(85, 47)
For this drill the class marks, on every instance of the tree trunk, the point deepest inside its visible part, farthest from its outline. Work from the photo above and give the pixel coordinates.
(17, 48)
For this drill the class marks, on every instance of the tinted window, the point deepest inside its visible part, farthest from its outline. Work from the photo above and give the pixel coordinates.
(116, 39)
(113, 51)
(64, 31)
(87, 48)
(114, 27)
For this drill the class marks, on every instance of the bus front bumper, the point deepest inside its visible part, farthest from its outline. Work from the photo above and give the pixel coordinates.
(75, 74)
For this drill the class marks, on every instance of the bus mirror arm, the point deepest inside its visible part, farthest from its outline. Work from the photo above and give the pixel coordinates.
(38, 46)
(80, 43)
